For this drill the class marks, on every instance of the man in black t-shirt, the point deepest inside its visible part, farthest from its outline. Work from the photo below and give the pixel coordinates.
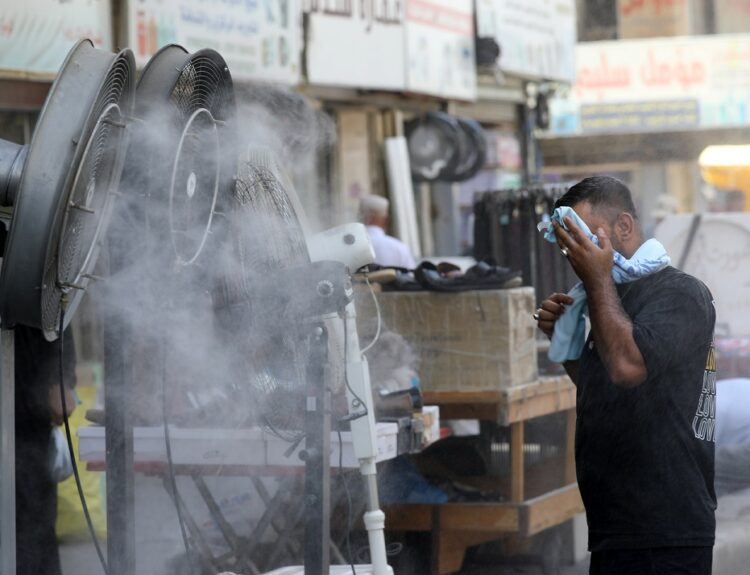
(646, 396)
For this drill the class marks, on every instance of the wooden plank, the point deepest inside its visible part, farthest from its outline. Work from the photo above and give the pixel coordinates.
(516, 462)
(23, 94)
(481, 411)
(405, 517)
(543, 386)
(539, 405)
(480, 517)
(462, 397)
(549, 510)
(546, 396)
(570, 449)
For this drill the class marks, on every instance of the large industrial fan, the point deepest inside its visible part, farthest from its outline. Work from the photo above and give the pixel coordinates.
(176, 171)
(60, 188)
(57, 197)
(287, 301)
(175, 186)
(164, 239)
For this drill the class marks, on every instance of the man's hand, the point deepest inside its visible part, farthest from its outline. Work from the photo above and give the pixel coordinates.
(55, 403)
(590, 262)
(550, 311)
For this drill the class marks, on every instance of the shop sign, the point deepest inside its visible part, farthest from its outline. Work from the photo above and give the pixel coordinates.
(537, 38)
(422, 46)
(655, 18)
(656, 85)
(260, 39)
(440, 48)
(357, 43)
(36, 35)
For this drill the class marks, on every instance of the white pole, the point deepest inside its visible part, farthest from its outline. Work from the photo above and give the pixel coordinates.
(359, 396)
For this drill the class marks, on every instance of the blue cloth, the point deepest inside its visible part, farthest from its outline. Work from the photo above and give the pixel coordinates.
(569, 336)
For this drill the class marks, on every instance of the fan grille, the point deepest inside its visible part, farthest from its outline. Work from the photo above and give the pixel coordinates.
(88, 196)
(194, 186)
(203, 83)
(270, 236)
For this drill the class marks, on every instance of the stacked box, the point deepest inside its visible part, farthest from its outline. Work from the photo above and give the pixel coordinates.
(468, 341)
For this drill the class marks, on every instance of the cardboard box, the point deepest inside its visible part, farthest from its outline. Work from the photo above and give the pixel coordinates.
(477, 340)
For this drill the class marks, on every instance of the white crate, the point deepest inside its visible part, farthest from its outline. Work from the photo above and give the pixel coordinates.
(251, 447)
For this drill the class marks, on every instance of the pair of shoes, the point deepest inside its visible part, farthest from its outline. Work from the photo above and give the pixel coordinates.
(487, 271)
(483, 276)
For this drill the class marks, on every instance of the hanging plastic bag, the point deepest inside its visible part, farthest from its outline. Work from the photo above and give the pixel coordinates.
(60, 465)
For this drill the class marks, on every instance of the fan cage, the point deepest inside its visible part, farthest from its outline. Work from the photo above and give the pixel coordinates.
(194, 186)
(204, 83)
(185, 90)
(269, 238)
(269, 233)
(99, 166)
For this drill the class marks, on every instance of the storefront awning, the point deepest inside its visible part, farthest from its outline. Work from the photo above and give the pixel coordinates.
(643, 147)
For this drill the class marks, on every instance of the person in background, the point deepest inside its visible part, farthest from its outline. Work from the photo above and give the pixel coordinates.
(646, 386)
(389, 251)
(38, 409)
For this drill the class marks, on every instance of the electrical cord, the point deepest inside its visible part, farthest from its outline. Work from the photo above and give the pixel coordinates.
(357, 400)
(69, 437)
(380, 319)
(170, 461)
(348, 503)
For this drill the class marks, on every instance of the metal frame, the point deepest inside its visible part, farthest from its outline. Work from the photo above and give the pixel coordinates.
(7, 453)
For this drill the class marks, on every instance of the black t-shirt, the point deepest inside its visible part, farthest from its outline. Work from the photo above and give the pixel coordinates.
(645, 455)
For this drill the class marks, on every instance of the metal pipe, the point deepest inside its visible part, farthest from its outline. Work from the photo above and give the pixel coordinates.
(12, 159)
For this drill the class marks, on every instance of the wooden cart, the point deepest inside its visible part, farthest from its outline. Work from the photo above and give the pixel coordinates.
(532, 503)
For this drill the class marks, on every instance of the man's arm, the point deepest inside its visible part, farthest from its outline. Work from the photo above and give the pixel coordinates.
(613, 334)
(611, 327)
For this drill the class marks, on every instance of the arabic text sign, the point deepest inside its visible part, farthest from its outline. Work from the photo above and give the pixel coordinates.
(440, 48)
(713, 71)
(35, 35)
(260, 39)
(640, 116)
(537, 38)
(356, 43)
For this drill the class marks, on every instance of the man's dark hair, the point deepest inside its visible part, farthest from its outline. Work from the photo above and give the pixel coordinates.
(601, 192)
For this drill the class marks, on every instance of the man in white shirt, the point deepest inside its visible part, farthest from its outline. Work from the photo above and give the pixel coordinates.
(389, 251)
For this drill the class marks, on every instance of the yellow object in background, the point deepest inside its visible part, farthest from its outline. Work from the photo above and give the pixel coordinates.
(727, 168)
(71, 522)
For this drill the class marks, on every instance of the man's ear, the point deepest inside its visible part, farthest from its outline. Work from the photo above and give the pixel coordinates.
(625, 226)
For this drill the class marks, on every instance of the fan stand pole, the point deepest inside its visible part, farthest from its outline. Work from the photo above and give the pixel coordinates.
(118, 387)
(7, 454)
(317, 457)
(365, 441)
